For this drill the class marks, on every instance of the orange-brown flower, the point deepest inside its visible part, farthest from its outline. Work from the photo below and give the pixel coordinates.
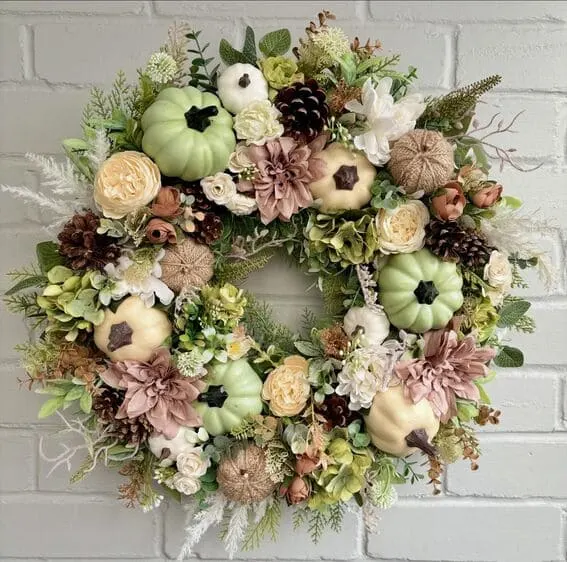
(159, 231)
(297, 491)
(449, 202)
(167, 204)
(487, 195)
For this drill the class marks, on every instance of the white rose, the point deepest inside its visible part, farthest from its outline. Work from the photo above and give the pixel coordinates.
(190, 463)
(219, 188)
(402, 230)
(374, 323)
(258, 123)
(242, 205)
(186, 485)
(498, 274)
(239, 160)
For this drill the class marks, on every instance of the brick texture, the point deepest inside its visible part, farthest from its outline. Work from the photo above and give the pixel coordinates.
(514, 507)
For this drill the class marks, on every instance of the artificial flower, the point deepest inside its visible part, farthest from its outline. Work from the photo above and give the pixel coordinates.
(280, 72)
(449, 202)
(323, 49)
(238, 343)
(167, 203)
(242, 205)
(446, 371)
(192, 463)
(387, 119)
(371, 325)
(486, 195)
(285, 170)
(156, 390)
(239, 160)
(471, 178)
(366, 371)
(138, 273)
(286, 388)
(297, 491)
(159, 231)
(402, 230)
(125, 182)
(219, 189)
(498, 274)
(258, 123)
(186, 485)
(305, 464)
(161, 68)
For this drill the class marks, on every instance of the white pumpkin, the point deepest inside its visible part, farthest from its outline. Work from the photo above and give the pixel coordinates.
(239, 85)
(167, 450)
(398, 426)
(374, 324)
(133, 332)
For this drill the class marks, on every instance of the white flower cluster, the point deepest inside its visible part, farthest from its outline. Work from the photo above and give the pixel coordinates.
(221, 189)
(190, 467)
(161, 68)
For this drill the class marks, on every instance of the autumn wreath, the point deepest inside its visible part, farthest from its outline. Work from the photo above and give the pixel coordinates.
(192, 178)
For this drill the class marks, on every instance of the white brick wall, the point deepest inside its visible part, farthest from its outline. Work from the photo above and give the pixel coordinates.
(515, 507)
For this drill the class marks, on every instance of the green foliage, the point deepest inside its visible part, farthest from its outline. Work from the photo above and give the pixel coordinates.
(25, 280)
(63, 393)
(385, 194)
(200, 75)
(230, 55)
(451, 114)
(509, 357)
(275, 43)
(267, 526)
(239, 269)
(48, 256)
(512, 312)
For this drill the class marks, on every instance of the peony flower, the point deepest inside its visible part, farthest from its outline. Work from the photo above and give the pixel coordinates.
(167, 204)
(126, 182)
(156, 390)
(447, 371)
(219, 189)
(387, 119)
(258, 123)
(366, 371)
(280, 72)
(402, 230)
(285, 170)
(297, 491)
(498, 274)
(159, 231)
(138, 273)
(449, 202)
(186, 485)
(191, 463)
(287, 388)
(487, 195)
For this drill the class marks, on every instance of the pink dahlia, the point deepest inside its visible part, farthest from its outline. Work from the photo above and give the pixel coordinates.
(447, 371)
(156, 390)
(285, 170)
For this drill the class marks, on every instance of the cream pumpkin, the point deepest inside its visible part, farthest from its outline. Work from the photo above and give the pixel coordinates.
(398, 426)
(132, 332)
(347, 182)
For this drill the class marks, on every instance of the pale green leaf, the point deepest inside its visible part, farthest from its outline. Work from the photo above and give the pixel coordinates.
(512, 312)
(275, 43)
(86, 402)
(51, 406)
(48, 256)
(509, 357)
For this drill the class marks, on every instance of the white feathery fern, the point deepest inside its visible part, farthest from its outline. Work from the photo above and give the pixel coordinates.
(236, 531)
(99, 149)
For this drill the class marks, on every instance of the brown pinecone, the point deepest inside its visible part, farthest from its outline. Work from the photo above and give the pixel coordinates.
(130, 431)
(83, 247)
(304, 110)
(335, 410)
(209, 229)
(451, 242)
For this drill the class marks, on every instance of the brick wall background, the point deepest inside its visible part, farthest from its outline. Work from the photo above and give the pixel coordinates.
(515, 506)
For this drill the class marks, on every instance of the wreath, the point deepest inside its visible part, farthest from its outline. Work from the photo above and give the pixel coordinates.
(192, 178)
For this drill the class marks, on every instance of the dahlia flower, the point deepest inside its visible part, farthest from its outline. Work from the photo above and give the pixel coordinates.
(156, 390)
(285, 170)
(446, 372)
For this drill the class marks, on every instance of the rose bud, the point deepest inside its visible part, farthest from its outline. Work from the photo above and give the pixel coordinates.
(298, 491)
(487, 195)
(305, 465)
(449, 202)
(158, 232)
(167, 204)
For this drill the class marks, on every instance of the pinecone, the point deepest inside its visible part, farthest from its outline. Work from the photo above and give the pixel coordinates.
(335, 410)
(83, 247)
(131, 431)
(209, 229)
(304, 110)
(451, 242)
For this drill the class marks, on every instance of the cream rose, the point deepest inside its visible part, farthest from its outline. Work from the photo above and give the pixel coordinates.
(242, 205)
(186, 485)
(498, 274)
(219, 188)
(287, 388)
(191, 463)
(239, 160)
(258, 123)
(402, 230)
(125, 182)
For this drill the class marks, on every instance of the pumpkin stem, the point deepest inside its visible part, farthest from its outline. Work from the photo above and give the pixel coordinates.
(418, 438)
(244, 80)
(199, 118)
(426, 292)
(214, 397)
(346, 177)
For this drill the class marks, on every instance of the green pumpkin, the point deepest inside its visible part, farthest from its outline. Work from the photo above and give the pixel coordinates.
(419, 292)
(188, 133)
(233, 392)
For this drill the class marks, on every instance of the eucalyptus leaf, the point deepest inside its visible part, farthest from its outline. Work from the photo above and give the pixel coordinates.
(509, 357)
(275, 43)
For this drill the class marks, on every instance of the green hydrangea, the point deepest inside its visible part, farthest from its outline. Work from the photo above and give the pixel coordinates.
(333, 241)
(70, 302)
(481, 316)
(280, 72)
(224, 305)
